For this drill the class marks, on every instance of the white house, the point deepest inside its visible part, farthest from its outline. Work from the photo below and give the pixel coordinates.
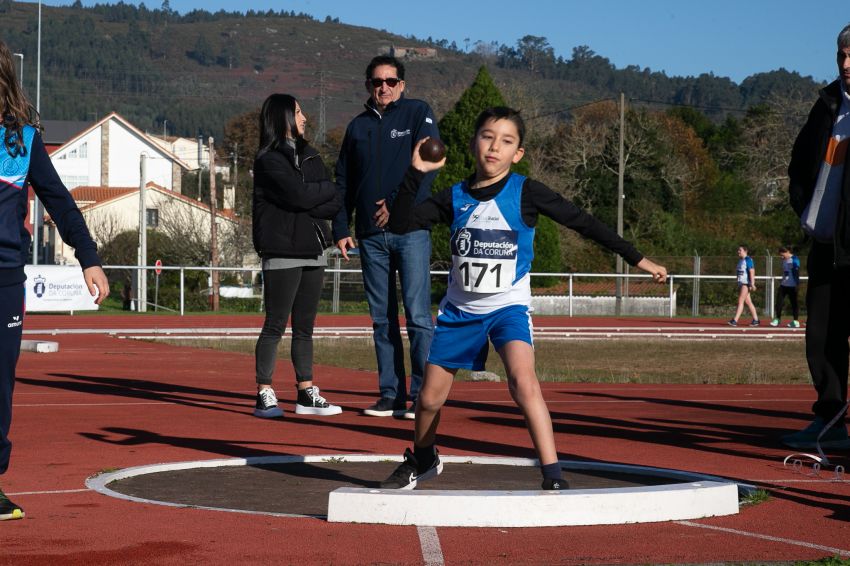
(108, 154)
(109, 211)
(187, 150)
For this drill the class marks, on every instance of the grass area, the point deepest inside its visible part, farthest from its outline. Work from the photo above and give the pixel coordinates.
(756, 497)
(600, 361)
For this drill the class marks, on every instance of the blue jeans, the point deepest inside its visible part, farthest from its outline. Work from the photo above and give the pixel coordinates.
(382, 256)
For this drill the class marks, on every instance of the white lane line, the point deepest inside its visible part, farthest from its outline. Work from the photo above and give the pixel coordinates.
(830, 549)
(432, 552)
(50, 492)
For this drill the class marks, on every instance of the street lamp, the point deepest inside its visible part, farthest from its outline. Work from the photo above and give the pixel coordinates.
(21, 73)
(36, 221)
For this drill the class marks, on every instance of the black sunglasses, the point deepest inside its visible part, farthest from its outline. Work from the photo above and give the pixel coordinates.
(391, 82)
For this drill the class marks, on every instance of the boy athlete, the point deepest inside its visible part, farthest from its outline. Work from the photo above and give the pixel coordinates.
(492, 217)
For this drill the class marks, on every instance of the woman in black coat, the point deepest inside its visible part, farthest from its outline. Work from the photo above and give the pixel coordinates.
(293, 199)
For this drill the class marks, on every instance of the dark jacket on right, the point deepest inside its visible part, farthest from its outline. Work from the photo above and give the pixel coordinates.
(806, 159)
(293, 200)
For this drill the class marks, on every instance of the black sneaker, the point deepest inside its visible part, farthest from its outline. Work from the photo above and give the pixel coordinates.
(266, 405)
(311, 403)
(410, 414)
(384, 407)
(551, 485)
(8, 510)
(408, 473)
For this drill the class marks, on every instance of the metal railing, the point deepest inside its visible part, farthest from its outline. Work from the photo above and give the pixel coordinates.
(345, 285)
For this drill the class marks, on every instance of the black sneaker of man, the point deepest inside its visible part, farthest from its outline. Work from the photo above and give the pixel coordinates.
(266, 405)
(309, 402)
(550, 484)
(384, 407)
(410, 472)
(8, 510)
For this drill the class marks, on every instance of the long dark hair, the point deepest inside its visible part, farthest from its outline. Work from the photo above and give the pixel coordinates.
(16, 109)
(277, 122)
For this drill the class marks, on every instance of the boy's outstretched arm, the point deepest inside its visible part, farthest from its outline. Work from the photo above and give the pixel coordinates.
(658, 272)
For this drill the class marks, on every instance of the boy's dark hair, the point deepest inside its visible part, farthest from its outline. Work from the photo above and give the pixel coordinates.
(385, 60)
(784, 249)
(745, 247)
(502, 113)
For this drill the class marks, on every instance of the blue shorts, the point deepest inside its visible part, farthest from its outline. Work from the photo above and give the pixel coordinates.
(460, 338)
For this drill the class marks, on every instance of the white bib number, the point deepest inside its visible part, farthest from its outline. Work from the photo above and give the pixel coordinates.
(484, 261)
(483, 276)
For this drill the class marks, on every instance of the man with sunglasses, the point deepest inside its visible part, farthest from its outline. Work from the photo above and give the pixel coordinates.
(374, 157)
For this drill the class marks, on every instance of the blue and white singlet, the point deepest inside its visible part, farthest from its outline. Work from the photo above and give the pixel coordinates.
(492, 249)
(744, 267)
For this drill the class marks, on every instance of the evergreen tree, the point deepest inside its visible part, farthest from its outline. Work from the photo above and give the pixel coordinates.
(456, 130)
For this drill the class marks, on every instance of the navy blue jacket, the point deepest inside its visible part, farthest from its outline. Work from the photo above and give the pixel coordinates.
(14, 237)
(374, 157)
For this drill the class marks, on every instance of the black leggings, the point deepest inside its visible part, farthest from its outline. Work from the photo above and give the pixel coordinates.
(292, 291)
(791, 293)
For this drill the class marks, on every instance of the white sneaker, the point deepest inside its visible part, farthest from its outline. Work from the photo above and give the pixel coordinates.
(311, 403)
(266, 405)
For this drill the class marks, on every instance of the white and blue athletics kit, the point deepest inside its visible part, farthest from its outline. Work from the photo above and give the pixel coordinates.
(743, 271)
(489, 292)
(492, 249)
(492, 245)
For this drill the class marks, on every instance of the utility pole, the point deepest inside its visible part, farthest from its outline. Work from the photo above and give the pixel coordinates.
(320, 138)
(143, 237)
(620, 174)
(200, 159)
(235, 172)
(213, 231)
(36, 216)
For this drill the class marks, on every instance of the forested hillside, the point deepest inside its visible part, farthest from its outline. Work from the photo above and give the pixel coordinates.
(706, 157)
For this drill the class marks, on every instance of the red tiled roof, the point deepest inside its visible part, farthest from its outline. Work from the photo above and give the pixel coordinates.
(91, 195)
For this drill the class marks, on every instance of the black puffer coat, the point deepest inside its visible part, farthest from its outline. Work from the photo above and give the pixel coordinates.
(293, 200)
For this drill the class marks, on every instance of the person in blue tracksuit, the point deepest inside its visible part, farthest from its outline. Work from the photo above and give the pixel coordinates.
(492, 216)
(23, 162)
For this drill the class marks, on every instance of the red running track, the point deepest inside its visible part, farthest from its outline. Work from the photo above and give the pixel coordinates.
(103, 403)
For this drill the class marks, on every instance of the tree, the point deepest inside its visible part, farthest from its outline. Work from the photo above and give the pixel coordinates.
(535, 52)
(203, 52)
(457, 129)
